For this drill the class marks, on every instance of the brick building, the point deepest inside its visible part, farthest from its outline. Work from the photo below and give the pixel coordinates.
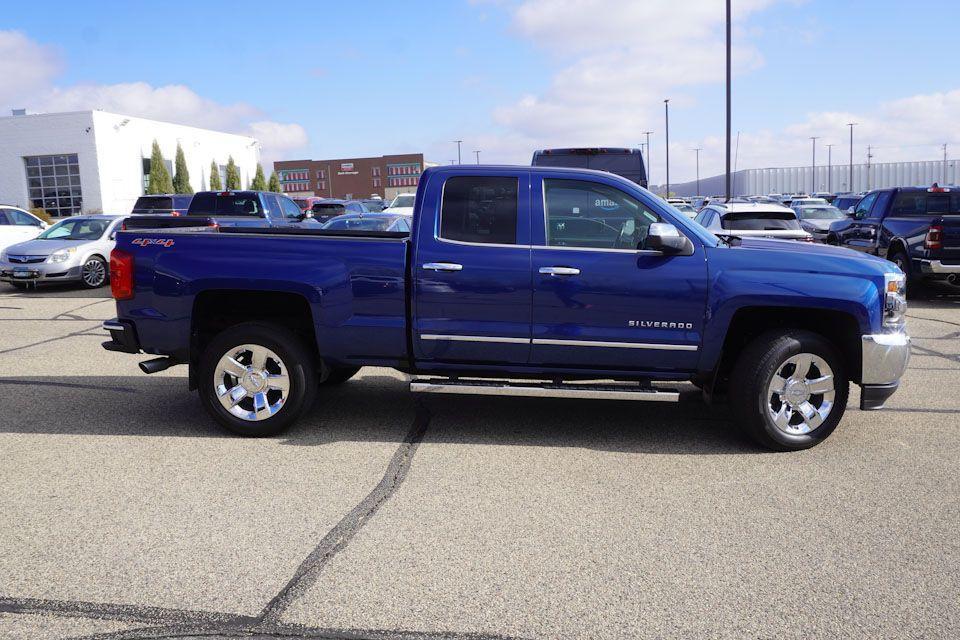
(351, 177)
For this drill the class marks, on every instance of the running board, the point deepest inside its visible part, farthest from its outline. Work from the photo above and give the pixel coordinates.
(544, 389)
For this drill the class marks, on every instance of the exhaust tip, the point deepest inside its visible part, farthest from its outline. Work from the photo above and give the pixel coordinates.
(156, 365)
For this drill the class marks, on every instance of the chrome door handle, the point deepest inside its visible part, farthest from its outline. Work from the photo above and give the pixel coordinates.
(560, 271)
(443, 266)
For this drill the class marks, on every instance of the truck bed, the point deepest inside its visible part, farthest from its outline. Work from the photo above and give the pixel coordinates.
(354, 283)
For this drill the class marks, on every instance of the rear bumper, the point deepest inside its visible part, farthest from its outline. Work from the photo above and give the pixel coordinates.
(123, 336)
(937, 266)
(884, 361)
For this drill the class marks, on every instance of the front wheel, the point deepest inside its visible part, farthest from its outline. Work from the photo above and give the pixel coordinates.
(789, 390)
(93, 273)
(256, 379)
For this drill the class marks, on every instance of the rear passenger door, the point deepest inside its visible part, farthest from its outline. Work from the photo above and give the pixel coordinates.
(471, 270)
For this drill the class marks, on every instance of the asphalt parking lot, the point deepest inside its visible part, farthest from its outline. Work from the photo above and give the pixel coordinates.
(127, 513)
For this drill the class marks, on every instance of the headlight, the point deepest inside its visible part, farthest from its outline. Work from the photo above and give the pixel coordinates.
(62, 255)
(894, 300)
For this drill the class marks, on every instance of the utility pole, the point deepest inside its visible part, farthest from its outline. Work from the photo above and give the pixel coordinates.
(830, 168)
(647, 133)
(459, 142)
(477, 151)
(666, 115)
(944, 181)
(728, 102)
(869, 156)
(813, 166)
(851, 125)
(698, 150)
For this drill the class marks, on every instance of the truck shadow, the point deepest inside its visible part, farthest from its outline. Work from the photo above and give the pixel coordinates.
(375, 408)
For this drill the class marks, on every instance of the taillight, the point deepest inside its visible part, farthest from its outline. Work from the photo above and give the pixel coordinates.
(121, 275)
(175, 213)
(934, 239)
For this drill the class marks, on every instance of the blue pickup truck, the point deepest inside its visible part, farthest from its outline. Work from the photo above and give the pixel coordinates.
(917, 228)
(527, 281)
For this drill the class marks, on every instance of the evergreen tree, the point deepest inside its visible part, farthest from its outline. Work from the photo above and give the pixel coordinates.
(233, 175)
(215, 184)
(274, 184)
(259, 182)
(181, 175)
(159, 181)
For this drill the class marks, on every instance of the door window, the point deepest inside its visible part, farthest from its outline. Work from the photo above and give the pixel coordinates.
(22, 219)
(480, 209)
(863, 207)
(273, 206)
(594, 215)
(290, 208)
(3, 219)
(880, 205)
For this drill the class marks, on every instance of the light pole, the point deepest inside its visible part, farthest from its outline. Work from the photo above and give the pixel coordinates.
(728, 102)
(830, 168)
(813, 166)
(851, 125)
(666, 115)
(459, 142)
(698, 150)
(944, 180)
(477, 152)
(647, 133)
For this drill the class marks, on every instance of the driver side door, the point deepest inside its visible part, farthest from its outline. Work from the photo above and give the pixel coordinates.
(601, 300)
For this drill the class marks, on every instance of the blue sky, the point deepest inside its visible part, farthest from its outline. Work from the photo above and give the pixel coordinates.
(365, 78)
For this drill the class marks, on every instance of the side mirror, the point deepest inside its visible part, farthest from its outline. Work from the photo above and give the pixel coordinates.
(850, 211)
(665, 237)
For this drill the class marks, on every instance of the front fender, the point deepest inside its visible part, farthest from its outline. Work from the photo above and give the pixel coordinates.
(732, 290)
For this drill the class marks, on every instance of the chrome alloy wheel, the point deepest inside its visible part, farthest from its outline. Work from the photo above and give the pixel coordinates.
(800, 394)
(251, 382)
(93, 272)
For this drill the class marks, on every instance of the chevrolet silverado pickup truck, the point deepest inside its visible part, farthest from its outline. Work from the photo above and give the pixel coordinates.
(519, 281)
(917, 228)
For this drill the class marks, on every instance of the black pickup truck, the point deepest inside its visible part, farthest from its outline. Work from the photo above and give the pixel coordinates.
(918, 228)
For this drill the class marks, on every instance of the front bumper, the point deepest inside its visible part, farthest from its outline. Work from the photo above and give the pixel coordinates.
(39, 271)
(884, 361)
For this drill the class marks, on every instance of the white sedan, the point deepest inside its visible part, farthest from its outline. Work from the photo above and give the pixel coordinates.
(17, 225)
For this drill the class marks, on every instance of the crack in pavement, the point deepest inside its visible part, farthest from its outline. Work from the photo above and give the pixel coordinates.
(344, 531)
(81, 332)
(185, 623)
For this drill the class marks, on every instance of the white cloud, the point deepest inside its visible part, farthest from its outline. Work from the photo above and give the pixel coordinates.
(29, 69)
(619, 60)
(25, 67)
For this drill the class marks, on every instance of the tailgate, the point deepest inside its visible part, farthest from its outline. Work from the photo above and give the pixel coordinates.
(950, 235)
(167, 222)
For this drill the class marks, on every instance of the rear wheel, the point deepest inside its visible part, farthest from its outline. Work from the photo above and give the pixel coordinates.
(900, 258)
(257, 379)
(789, 390)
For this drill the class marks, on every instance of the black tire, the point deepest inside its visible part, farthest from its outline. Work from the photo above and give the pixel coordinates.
(297, 361)
(752, 374)
(833, 240)
(899, 258)
(20, 286)
(339, 376)
(93, 273)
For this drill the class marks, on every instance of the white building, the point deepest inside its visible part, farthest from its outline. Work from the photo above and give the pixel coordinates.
(94, 161)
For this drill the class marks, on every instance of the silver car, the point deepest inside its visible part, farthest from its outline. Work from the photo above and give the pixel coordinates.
(74, 249)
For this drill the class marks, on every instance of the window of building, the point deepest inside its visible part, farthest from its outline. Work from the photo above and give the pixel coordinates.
(594, 215)
(376, 172)
(376, 182)
(146, 171)
(53, 183)
(321, 175)
(480, 210)
(322, 184)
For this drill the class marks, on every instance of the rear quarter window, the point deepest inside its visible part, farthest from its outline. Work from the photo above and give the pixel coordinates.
(480, 209)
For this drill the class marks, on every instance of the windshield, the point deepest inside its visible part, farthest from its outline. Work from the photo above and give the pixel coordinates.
(300, 202)
(820, 213)
(761, 221)
(365, 224)
(403, 201)
(76, 229)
